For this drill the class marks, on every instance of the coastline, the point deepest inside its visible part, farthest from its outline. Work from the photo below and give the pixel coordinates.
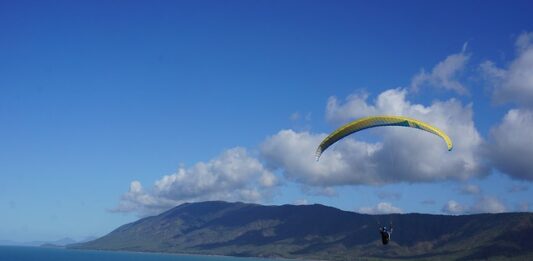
(193, 254)
(73, 250)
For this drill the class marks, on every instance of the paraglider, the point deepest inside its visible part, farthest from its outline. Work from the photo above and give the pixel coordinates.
(385, 234)
(379, 121)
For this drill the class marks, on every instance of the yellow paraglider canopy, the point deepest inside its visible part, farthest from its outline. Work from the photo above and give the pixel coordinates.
(379, 121)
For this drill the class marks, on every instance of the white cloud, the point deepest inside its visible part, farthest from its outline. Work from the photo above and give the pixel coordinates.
(486, 204)
(453, 207)
(444, 75)
(380, 208)
(301, 202)
(511, 144)
(294, 153)
(355, 106)
(402, 154)
(232, 176)
(319, 191)
(524, 42)
(514, 83)
(138, 200)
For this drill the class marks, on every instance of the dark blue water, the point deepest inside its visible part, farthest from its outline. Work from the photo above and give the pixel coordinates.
(18, 253)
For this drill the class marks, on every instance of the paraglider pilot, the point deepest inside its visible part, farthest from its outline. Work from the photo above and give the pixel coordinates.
(385, 234)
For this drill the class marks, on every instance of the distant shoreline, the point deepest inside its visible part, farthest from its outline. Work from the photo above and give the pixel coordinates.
(151, 253)
(191, 254)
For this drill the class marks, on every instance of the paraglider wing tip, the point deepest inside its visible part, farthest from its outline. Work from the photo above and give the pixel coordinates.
(317, 154)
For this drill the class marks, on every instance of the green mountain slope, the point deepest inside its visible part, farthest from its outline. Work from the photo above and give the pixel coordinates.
(321, 232)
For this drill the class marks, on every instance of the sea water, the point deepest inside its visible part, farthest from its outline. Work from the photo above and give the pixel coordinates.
(20, 253)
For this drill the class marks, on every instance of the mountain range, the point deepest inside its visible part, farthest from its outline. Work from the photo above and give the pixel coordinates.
(321, 232)
(58, 243)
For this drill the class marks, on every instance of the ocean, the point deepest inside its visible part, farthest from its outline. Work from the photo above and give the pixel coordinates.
(21, 253)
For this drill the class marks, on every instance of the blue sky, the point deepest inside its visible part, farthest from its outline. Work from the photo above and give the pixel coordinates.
(112, 110)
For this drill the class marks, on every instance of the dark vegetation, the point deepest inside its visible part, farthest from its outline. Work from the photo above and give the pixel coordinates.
(321, 232)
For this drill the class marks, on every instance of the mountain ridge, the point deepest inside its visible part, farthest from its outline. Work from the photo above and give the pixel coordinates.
(320, 232)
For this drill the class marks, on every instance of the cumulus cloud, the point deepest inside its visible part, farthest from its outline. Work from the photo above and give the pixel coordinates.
(232, 176)
(294, 153)
(319, 191)
(301, 202)
(401, 155)
(380, 208)
(354, 106)
(511, 144)
(514, 83)
(142, 202)
(488, 204)
(453, 207)
(444, 75)
(483, 204)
